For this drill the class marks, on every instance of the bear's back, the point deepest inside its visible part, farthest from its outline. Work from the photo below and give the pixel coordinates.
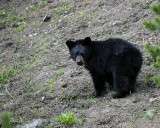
(114, 46)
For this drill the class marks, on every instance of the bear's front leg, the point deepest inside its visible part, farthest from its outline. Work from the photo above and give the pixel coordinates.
(99, 83)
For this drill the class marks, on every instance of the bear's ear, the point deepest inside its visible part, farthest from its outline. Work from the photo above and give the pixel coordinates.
(87, 41)
(70, 43)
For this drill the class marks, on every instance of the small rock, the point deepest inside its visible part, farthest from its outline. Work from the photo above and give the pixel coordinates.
(151, 100)
(42, 98)
(54, 43)
(34, 34)
(2, 94)
(35, 124)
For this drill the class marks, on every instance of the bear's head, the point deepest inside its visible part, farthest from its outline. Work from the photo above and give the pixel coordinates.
(80, 50)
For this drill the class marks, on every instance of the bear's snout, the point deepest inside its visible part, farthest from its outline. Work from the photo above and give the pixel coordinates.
(79, 60)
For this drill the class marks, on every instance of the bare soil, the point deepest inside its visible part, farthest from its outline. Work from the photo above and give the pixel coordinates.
(43, 81)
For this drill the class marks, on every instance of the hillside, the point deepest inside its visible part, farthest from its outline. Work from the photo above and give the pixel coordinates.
(39, 80)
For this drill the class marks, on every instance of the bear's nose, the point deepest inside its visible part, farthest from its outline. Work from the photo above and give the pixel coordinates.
(79, 60)
(79, 63)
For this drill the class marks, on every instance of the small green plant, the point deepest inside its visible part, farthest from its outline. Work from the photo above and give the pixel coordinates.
(146, 1)
(63, 1)
(54, 77)
(42, 2)
(130, 1)
(2, 12)
(6, 119)
(80, 12)
(40, 43)
(66, 117)
(21, 27)
(150, 113)
(133, 118)
(27, 94)
(89, 87)
(51, 67)
(41, 112)
(22, 16)
(51, 82)
(44, 51)
(36, 24)
(34, 59)
(42, 88)
(32, 7)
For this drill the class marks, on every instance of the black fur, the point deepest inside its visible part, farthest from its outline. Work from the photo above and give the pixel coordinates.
(115, 61)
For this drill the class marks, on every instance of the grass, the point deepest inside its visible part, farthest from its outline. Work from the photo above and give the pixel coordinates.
(80, 12)
(89, 100)
(41, 112)
(9, 17)
(55, 77)
(135, 117)
(32, 7)
(6, 75)
(121, 22)
(69, 95)
(60, 72)
(64, 8)
(147, 114)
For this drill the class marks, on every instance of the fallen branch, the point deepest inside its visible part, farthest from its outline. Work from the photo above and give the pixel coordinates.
(8, 92)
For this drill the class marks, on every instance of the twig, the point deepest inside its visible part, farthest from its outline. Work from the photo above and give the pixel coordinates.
(8, 92)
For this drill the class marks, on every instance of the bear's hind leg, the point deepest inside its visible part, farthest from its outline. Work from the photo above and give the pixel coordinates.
(121, 86)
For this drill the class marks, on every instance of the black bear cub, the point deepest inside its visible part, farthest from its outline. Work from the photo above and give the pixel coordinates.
(115, 61)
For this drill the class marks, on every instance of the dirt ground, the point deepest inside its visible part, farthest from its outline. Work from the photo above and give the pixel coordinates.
(41, 81)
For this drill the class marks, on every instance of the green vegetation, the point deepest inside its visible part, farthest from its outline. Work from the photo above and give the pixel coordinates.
(6, 119)
(69, 95)
(154, 51)
(150, 113)
(121, 22)
(67, 117)
(54, 77)
(36, 24)
(64, 8)
(146, 114)
(21, 27)
(41, 112)
(135, 117)
(10, 17)
(6, 75)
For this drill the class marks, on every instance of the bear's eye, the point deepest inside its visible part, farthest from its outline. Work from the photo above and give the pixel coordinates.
(82, 54)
